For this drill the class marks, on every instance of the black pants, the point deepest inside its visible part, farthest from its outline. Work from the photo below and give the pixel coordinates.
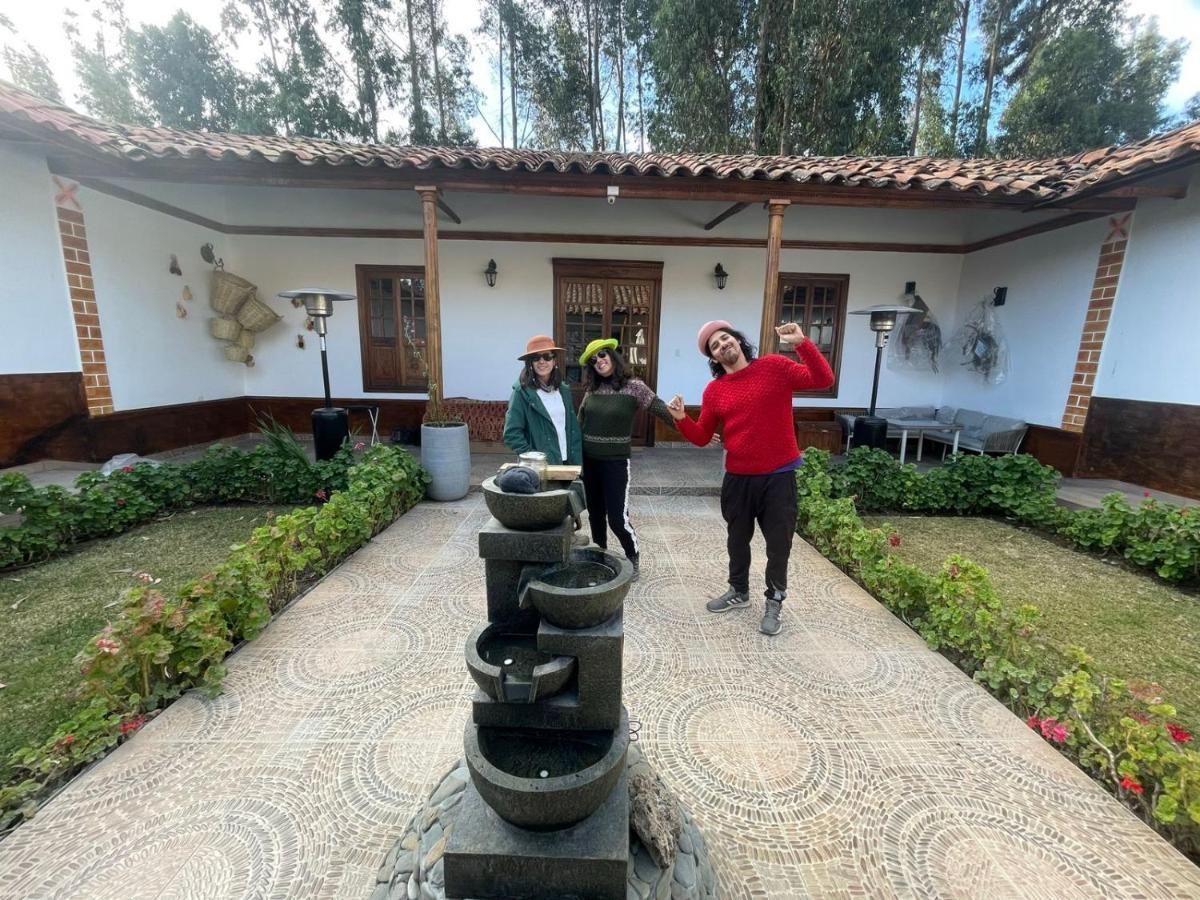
(771, 501)
(606, 484)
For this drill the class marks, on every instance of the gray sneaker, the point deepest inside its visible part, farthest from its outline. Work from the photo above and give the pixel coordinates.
(731, 599)
(770, 620)
(637, 568)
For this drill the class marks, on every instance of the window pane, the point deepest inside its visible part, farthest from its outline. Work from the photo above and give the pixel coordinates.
(383, 309)
(631, 325)
(584, 320)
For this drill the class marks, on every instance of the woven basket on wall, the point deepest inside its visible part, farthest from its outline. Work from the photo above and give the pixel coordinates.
(224, 329)
(236, 353)
(229, 292)
(256, 315)
(246, 339)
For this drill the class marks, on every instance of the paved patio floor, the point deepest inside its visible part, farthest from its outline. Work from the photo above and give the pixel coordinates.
(838, 759)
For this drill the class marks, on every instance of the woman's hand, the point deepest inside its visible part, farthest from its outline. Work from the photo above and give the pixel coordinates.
(675, 407)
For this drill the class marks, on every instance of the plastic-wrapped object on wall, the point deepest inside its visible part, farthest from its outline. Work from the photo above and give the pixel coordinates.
(916, 344)
(980, 345)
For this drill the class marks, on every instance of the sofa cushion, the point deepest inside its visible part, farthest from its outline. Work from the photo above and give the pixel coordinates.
(945, 414)
(911, 412)
(996, 424)
(972, 422)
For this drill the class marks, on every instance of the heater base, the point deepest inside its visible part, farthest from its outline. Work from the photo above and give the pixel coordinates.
(331, 427)
(869, 431)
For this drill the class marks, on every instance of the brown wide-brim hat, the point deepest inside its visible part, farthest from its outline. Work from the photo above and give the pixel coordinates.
(539, 343)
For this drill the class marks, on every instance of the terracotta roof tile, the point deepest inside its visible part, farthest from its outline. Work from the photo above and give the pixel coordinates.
(1039, 180)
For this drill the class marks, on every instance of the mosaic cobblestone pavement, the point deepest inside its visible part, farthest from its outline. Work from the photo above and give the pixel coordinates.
(838, 759)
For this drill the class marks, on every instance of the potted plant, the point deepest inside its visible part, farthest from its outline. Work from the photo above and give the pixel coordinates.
(445, 443)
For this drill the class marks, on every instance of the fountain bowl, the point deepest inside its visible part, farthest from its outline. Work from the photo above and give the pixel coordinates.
(583, 592)
(582, 767)
(531, 676)
(532, 512)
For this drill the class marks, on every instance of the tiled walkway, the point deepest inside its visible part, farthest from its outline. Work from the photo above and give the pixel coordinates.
(839, 759)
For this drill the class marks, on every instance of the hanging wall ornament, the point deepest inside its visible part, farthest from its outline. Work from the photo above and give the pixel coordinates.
(309, 324)
(300, 341)
(174, 267)
(917, 342)
(187, 292)
(180, 311)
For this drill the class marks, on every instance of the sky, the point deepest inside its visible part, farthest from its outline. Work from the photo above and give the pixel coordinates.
(41, 25)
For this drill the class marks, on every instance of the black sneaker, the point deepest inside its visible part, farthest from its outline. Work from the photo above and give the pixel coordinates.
(637, 569)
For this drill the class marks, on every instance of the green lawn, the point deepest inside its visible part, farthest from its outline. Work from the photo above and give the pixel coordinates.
(48, 611)
(1134, 625)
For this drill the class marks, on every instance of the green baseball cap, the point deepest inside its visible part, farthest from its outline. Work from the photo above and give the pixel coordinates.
(595, 347)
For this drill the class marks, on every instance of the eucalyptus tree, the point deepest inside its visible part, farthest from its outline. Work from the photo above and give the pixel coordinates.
(27, 66)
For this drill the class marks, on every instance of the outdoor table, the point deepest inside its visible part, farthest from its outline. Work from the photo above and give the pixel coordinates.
(372, 411)
(919, 427)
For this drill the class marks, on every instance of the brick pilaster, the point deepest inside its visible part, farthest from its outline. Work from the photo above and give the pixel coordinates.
(82, 289)
(1095, 326)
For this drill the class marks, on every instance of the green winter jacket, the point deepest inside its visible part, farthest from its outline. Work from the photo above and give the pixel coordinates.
(527, 426)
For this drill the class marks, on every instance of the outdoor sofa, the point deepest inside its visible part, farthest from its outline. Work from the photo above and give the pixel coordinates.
(980, 432)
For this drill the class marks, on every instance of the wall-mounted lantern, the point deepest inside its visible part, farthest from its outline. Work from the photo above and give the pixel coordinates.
(720, 276)
(490, 273)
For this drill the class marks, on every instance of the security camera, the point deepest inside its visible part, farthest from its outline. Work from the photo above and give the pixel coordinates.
(613, 193)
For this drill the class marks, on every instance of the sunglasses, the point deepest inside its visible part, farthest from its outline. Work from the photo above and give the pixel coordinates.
(544, 357)
(600, 354)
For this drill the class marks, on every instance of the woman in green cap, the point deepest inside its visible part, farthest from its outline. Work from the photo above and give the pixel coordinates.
(611, 400)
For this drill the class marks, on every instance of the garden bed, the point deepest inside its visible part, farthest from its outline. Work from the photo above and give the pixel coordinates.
(48, 611)
(1109, 608)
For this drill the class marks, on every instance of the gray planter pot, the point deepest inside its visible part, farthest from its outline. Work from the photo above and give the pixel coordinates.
(446, 455)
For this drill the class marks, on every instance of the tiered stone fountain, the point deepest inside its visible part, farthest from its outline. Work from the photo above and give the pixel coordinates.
(546, 813)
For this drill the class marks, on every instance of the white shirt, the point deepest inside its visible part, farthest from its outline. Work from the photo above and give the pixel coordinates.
(553, 402)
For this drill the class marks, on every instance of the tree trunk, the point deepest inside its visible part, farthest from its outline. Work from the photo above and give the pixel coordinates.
(912, 143)
(587, 11)
(512, 82)
(596, 22)
(985, 111)
(958, 76)
(789, 88)
(414, 76)
(641, 105)
(439, 89)
(620, 139)
(500, 66)
(760, 74)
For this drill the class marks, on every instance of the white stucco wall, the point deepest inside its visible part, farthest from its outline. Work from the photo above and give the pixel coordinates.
(1150, 351)
(38, 333)
(1049, 279)
(485, 329)
(154, 357)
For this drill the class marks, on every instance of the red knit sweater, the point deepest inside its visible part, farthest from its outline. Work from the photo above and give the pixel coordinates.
(754, 406)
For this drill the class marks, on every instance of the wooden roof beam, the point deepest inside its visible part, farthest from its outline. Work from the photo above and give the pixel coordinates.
(451, 214)
(732, 211)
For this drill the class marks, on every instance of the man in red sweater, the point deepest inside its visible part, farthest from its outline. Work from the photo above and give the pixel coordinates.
(752, 400)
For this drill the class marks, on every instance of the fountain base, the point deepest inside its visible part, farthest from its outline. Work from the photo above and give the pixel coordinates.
(486, 857)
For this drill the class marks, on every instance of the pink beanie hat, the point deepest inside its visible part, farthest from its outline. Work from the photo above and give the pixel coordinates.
(707, 330)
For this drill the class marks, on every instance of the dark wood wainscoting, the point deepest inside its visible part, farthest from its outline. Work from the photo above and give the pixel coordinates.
(1151, 444)
(36, 404)
(62, 429)
(1054, 447)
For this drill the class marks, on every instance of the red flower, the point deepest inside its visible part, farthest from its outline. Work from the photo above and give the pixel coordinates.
(1145, 493)
(132, 724)
(1054, 730)
(107, 645)
(67, 740)
(126, 468)
(1130, 785)
(1033, 722)
(120, 501)
(894, 540)
(953, 571)
(321, 494)
(1178, 734)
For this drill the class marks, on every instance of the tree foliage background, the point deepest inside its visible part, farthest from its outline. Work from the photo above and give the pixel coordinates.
(919, 77)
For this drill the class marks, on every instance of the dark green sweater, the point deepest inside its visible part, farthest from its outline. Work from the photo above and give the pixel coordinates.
(606, 418)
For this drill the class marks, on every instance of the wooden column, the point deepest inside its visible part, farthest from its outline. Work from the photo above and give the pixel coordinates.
(433, 308)
(775, 211)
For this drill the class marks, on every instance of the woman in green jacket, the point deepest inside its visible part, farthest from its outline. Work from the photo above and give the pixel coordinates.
(540, 414)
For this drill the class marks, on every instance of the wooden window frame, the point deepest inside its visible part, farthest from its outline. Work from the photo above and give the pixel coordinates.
(771, 315)
(363, 276)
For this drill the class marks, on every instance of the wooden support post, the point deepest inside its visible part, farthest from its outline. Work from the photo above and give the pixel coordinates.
(433, 309)
(775, 211)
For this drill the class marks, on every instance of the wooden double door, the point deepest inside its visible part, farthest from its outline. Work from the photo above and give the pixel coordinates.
(595, 298)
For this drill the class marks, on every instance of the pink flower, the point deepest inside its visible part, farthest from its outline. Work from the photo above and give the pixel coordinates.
(108, 645)
(132, 724)
(1033, 722)
(144, 577)
(359, 445)
(954, 571)
(1054, 730)
(126, 468)
(1178, 734)
(67, 740)
(1130, 785)
(120, 501)
(894, 540)
(1145, 493)
(321, 494)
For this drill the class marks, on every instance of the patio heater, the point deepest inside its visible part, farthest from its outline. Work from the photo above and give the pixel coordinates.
(330, 424)
(871, 430)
